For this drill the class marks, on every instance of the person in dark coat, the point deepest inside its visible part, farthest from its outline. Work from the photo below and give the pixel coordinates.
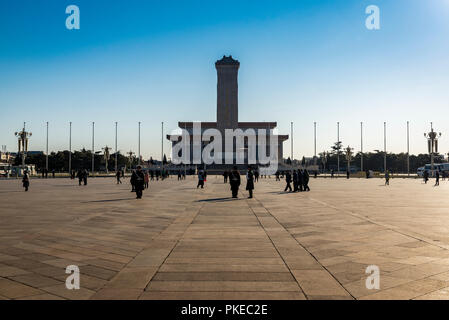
(306, 179)
(437, 178)
(225, 176)
(139, 182)
(132, 180)
(256, 175)
(426, 176)
(118, 175)
(201, 178)
(288, 180)
(234, 181)
(301, 180)
(26, 180)
(250, 182)
(85, 175)
(80, 176)
(295, 181)
(277, 176)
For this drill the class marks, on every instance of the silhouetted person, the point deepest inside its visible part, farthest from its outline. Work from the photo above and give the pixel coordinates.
(387, 178)
(85, 175)
(151, 175)
(118, 175)
(256, 175)
(426, 176)
(288, 180)
(347, 174)
(132, 180)
(26, 181)
(300, 180)
(234, 181)
(80, 176)
(250, 182)
(225, 176)
(437, 178)
(295, 181)
(147, 180)
(332, 173)
(53, 173)
(139, 181)
(306, 178)
(277, 176)
(201, 178)
(179, 175)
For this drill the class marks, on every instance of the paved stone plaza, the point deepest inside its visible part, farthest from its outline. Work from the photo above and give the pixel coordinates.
(183, 243)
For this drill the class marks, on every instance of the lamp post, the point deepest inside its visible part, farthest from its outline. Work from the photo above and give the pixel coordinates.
(338, 149)
(385, 147)
(106, 157)
(116, 151)
(23, 137)
(348, 159)
(70, 148)
(361, 146)
(93, 147)
(130, 158)
(46, 151)
(408, 149)
(432, 144)
(324, 160)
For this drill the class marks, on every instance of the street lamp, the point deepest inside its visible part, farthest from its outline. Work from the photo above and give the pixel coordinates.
(106, 157)
(324, 156)
(23, 137)
(432, 144)
(130, 158)
(349, 154)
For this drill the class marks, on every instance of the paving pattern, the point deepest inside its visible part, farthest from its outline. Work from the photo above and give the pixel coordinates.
(180, 242)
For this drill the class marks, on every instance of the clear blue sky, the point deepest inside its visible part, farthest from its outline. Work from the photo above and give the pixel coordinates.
(153, 61)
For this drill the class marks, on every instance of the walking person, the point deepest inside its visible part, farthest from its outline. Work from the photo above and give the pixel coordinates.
(256, 175)
(26, 180)
(437, 178)
(85, 175)
(288, 180)
(147, 180)
(225, 176)
(234, 181)
(132, 180)
(139, 181)
(118, 175)
(80, 175)
(200, 179)
(387, 178)
(250, 182)
(300, 180)
(277, 176)
(306, 178)
(426, 176)
(295, 181)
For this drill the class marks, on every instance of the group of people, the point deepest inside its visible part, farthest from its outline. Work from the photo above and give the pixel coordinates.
(227, 174)
(300, 179)
(82, 176)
